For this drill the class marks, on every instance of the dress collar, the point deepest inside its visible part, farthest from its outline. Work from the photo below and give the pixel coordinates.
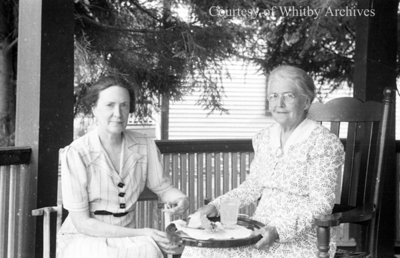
(95, 144)
(300, 133)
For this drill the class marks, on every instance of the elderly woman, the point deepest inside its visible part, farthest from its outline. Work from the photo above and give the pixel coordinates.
(293, 175)
(103, 174)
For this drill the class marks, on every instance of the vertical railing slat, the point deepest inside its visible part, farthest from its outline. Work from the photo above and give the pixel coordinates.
(200, 178)
(156, 223)
(209, 175)
(12, 211)
(243, 166)
(22, 212)
(234, 170)
(184, 175)
(184, 172)
(225, 162)
(4, 201)
(175, 169)
(217, 177)
(136, 219)
(142, 215)
(191, 192)
(166, 158)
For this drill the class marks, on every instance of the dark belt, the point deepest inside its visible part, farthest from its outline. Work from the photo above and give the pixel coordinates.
(102, 212)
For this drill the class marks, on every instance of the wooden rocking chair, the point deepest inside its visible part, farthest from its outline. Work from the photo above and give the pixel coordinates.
(363, 173)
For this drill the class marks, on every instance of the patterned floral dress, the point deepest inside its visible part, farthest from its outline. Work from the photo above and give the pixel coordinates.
(295, 183)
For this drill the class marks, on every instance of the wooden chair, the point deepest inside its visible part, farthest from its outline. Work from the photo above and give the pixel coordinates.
(61, 214)
(360, 200)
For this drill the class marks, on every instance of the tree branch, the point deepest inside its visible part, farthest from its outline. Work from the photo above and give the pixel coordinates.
(250, 59)
(335, 53)
(120, 49)
(110, 27)
(349, 31)
(145, 11)
(9, 46)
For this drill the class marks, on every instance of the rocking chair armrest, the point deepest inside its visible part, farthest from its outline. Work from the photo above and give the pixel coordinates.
(356, 215)
(45, 210)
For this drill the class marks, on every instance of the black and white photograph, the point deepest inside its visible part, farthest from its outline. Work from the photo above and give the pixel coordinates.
(193, 128)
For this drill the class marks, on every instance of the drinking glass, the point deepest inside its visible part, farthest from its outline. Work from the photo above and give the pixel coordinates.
(229, 212)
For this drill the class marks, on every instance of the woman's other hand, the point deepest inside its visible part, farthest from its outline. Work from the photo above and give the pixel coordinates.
(199, 218)
(178, 206)
(269, 237)
(208, 210)
(163, 242)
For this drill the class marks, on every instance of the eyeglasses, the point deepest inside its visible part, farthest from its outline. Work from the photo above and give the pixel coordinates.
(287, 97)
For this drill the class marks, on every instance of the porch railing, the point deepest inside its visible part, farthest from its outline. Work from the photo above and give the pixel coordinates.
(203, 169)
(14, 174)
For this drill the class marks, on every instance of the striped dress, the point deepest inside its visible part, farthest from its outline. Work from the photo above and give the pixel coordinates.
(90, 183)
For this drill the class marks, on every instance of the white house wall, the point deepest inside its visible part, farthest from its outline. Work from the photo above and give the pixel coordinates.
(244, 99)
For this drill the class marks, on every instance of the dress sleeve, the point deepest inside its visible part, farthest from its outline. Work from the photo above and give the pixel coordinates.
(250, 190)
(156, 180)
(74, 180)
(324, 163)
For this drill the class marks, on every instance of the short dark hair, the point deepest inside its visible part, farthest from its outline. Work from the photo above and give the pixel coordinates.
(92, 95)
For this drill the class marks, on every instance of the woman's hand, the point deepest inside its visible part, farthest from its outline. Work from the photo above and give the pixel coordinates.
(163, 242)
(269, 237)
(199, 218)
(208, 210)
(179, 206)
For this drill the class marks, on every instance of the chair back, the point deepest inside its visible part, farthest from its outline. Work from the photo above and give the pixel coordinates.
(363, 128)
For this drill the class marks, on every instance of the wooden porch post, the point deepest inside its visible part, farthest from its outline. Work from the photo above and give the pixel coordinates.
(375, 64)
(376, 46)
(44, 115)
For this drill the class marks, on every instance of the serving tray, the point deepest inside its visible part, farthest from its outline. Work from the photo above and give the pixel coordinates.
(214, 243)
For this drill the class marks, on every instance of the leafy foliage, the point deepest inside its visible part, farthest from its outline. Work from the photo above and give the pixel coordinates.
(161, 54)
(152, 47)
(277, 33)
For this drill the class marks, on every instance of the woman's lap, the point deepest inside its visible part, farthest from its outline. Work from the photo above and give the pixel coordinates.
(276, 251)
(76, 246)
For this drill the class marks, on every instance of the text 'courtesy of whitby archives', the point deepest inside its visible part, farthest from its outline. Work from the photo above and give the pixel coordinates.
(293, 11)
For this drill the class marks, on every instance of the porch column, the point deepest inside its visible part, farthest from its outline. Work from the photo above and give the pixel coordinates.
(375, 65)
(44, 112)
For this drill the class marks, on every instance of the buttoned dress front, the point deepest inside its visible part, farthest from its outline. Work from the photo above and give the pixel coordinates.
(91, 183)
(293, 184)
